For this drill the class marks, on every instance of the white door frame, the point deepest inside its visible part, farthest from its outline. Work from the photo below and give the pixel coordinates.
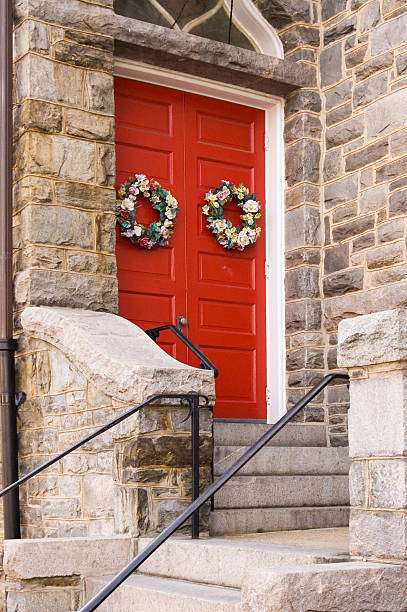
(274, 205)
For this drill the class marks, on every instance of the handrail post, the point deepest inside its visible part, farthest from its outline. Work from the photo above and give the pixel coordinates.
(195, 463)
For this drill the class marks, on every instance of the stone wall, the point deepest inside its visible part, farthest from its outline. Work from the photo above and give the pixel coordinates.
(133, 479)
(64, 171)
(363, 61)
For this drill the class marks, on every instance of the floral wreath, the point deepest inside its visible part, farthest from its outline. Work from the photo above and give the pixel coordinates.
(158, 232)
(228, 236)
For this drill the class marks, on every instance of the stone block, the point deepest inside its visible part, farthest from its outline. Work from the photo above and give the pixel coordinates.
(38, 115)
(305, 358)
(85, 337)
(393, 230)
(341, 191)
(106, 165)
(330, 61)
(401, 64)
(85, 16)
(40, 77)
(303, 316)
(89, 126)
(81, 55)
(345, 132)
(300, 36)
(369, 17)
(398, 203)
(388, 483)
(92, 40)
(284, 13)
(338, 31)
(106, 233)
(384, 333)
(303, 100)
(356, 57)
(339, 114)
(80, 195)
(336, 586)
(302, 283)
(302, 162)
(387, 114)
(302, 194)
(57, 156)
(378, 535)
(57, 600)
(58, 225)
(339, 94)
(302, 227)
(385, 255)
(353, 228)
(31, 36)
(97, 495)
(343, 213)
(389, 35)
(302, 126)
(330, 8)
(370, 89)
(374, 65)
(333, 164)
(343, 281)
(302, 256)
(52, 287)
(392, 170)
(373, 199)
(45, 558)
(368, 155)
(99, 92)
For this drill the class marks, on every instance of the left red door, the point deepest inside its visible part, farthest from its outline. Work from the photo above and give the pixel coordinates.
(150, 140)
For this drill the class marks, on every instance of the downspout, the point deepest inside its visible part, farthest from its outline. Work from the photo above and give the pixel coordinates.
(7, 343)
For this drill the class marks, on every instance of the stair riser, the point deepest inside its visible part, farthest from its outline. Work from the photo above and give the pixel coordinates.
(246, 434)
(284, 460)
(130, 598)
(280, 491)
(259, 520)
(222, 565)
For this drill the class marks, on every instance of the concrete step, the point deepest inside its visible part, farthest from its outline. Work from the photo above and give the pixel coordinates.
(280, 491)
(258, 520)
(246, 434)
(284, 460)
(147, 593)
(224, 562)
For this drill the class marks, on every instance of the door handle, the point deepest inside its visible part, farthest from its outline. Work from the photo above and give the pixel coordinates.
(181, 323)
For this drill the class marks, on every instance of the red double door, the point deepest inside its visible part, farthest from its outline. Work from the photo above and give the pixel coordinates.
(189, 143)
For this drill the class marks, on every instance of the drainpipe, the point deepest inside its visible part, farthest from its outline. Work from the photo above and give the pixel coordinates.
(7, 343)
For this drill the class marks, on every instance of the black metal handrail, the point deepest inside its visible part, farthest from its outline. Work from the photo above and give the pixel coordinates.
(194, 507)
(193, 401)
(206, 364)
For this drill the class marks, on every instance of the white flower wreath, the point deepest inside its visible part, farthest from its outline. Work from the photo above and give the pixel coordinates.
(227, 235)
(158, 232)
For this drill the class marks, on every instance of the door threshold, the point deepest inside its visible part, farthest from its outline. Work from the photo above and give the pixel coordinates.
(219, 420)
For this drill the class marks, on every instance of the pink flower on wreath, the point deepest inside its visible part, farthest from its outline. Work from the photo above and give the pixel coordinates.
(143, 242)
(164, 231)
(134, 190)
(152, 184)
(221, 195)
(125, 214)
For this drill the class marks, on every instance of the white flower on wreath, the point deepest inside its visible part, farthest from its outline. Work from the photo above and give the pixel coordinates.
(127, 204)
(205, 209)
(171, 201)
(137, 230)
(219, 224)
(212, 197)
(251, 206)
(140, 177)
(170, 213)
(243, 239)
(168, 223)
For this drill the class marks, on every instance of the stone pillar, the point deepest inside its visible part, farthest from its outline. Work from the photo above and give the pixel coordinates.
(374, 349)
(64, 173)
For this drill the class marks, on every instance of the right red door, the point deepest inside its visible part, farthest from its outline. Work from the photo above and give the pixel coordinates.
(220, 292)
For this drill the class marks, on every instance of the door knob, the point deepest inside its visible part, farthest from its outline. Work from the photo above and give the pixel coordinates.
(181, 323)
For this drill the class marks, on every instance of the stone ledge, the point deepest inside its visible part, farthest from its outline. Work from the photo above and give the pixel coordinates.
(48, 557)
(334, 586)
(194, 55)
(115, 355)
(375, 338)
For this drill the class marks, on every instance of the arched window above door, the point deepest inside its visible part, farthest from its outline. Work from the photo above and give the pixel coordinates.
(209, 19)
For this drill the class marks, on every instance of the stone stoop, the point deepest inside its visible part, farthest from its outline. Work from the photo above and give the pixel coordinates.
(221, 575)
(295, 482)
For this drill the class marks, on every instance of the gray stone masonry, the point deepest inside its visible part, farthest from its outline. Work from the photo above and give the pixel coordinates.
(374, 349)
(84, 369)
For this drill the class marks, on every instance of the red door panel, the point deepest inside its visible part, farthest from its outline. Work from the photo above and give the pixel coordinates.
(189, 144)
